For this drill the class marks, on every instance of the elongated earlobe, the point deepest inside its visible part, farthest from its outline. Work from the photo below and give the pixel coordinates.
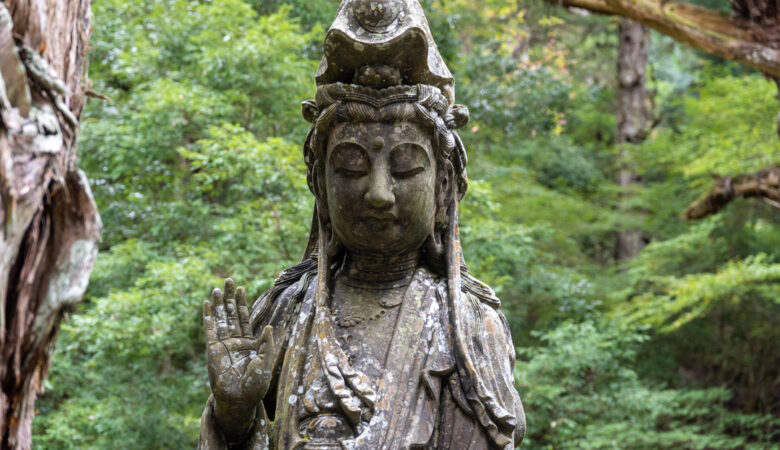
(333, 245)
(433, 248)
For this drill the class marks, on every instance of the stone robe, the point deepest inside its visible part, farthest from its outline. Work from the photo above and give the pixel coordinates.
(421, 400)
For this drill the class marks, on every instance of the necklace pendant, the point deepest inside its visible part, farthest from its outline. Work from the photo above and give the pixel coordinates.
(349, 320)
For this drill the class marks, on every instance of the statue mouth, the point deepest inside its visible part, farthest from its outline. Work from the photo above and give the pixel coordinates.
(378, 223)
(388, 217)
(374, 222)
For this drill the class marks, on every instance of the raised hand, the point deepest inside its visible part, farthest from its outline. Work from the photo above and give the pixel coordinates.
(239, 364)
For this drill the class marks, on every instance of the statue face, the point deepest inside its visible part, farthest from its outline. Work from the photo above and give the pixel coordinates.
(380, 181)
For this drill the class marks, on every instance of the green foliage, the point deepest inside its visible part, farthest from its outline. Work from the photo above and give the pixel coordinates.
(727, 128)
(685, 298)
(583, 393)
(197, 170)
(128, 369)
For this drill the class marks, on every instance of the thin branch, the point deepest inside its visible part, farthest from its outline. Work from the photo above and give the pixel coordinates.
(95, 94)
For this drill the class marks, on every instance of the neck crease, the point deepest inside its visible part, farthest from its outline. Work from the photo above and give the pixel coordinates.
(374, 268)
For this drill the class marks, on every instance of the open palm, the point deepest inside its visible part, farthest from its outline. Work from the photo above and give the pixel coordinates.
(239, 364)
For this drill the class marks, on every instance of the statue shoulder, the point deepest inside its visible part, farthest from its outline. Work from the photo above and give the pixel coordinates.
(479, 309)
(289, 287)
(480, 290)
(486, 358)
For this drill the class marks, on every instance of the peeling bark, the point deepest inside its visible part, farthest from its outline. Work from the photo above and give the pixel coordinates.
(51, 226)
(764, 185)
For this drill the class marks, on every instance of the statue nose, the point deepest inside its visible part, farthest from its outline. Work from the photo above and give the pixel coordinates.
(380, 193)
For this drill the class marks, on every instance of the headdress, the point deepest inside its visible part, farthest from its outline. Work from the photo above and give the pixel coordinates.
(391, 32)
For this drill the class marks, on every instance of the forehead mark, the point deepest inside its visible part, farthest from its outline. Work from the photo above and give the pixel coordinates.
(379, 143)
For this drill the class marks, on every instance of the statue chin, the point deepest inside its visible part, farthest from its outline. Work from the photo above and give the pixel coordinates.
(388, 240)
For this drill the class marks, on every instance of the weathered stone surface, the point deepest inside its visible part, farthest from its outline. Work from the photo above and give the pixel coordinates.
(380, 338)
(391, 32)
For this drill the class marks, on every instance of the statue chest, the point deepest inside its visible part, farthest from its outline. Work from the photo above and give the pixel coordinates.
(366, 342)
(368, 383)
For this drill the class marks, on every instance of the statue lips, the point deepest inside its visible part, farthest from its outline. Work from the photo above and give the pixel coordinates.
(380, 219)
(377, 223)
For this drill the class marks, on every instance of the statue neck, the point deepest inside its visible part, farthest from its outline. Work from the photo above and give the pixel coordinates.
(374, 270)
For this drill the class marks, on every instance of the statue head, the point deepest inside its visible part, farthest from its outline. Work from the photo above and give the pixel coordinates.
(384, 109)
(384, 165)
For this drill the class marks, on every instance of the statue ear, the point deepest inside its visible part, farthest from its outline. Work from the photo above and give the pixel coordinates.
(457, 117)
(433, 248)
(444, 187)
(309, 110)
(333, 245)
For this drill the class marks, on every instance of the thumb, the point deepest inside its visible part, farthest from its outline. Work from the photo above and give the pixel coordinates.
(264, 345)
(262, 365)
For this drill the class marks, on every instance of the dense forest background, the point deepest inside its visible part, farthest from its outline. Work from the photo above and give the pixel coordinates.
(197, 170)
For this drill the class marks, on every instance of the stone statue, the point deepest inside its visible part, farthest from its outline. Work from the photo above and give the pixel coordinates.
(380, 338)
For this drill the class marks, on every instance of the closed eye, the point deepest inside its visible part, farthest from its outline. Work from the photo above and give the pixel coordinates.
(349, 173)
(408, 159)
(408, 173)
(349, 160)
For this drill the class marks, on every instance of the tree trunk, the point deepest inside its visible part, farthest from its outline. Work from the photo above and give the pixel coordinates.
(48, 242)
(632, 118)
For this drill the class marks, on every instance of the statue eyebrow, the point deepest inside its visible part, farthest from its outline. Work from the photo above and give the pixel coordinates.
(348, 141)
(402, 145)
(344, 145)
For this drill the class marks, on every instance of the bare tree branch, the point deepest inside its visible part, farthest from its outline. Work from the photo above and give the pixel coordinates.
(764, 184)
(750, 42)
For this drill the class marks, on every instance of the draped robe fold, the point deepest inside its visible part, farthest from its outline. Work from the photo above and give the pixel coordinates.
(421, 400)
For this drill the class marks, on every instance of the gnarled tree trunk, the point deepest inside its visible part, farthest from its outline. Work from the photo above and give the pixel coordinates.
(48, 241)
(751, 36)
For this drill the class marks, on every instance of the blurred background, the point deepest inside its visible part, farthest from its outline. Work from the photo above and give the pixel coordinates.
(635, 327)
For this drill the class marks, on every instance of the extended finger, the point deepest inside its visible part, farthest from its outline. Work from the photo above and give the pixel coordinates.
(230, 289)
(231, 310)
(219, 313)
(243, 312)
(208, 323)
